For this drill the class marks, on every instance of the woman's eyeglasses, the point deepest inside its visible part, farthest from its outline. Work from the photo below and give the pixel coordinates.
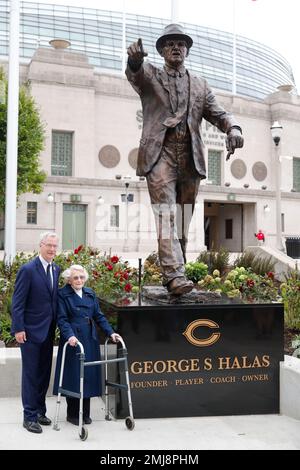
(75, 278)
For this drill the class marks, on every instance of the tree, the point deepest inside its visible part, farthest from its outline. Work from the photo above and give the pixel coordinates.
(30, 143)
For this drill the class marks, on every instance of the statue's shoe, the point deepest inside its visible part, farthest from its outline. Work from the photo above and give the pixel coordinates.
(180, 286)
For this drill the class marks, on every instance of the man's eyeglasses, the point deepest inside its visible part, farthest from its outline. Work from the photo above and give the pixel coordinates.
(49, 245)
(175, 43)
(75, 278)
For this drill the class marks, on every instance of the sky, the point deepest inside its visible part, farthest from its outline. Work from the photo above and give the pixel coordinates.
(275, 23)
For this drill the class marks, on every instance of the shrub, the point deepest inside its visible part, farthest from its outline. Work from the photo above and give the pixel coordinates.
(152, 274)
(290, 292)
(257, 264)
(109, 276)
(296, 346)
(243, 283)
(196, 271)
(215, 260)
(5, 325)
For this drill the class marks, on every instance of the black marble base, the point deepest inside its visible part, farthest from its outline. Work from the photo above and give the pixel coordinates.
(200, 359)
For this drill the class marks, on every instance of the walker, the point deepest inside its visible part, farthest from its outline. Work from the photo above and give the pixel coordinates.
(82, 431)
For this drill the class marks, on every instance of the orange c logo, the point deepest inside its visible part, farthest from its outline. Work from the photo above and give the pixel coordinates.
(190, 336)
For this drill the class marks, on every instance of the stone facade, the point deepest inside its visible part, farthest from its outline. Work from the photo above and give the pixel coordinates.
(102, 110)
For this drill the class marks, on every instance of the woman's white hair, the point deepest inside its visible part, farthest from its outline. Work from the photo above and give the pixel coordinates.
(67, 274)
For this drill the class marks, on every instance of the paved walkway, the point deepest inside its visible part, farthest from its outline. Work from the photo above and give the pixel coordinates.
(263, 432)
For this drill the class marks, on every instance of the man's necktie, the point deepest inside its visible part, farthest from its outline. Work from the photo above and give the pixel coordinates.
(49, 278)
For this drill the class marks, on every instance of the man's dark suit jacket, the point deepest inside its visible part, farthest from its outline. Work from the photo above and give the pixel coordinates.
(152, 84)
(34, 305)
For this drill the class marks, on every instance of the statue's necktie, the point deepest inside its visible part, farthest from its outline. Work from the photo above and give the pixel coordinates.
(49, 277)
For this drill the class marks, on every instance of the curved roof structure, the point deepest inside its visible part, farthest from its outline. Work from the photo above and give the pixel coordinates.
(98, 34)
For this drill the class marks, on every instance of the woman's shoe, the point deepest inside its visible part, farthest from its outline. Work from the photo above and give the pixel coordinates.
(87, 420)
(74, 421)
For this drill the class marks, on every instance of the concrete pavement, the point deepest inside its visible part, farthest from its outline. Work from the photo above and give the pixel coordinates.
(263, 432)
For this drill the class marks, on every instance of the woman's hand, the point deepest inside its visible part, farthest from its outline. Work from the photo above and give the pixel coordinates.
(73, 341)
(115, 337)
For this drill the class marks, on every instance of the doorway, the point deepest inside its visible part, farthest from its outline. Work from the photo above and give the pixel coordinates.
(224, 226)
(74, 226)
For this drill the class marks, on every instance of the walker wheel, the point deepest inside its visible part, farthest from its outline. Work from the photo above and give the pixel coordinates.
(129, 423)
(84, 434)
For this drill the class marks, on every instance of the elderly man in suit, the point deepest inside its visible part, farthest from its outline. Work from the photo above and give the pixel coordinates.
(171, 154)
(33, 324)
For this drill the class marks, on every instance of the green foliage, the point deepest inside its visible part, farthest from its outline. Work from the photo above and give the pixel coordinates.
(112, 277)
(215, 260)
(290, 292)
(5, 324)
(109, 276)
(7, 282)
(296, 346)
(152, 274)
(244, 284)
(30, 144)
(196, 271)
(257, 264)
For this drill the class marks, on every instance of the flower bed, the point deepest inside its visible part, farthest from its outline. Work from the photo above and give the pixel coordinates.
(110, 276)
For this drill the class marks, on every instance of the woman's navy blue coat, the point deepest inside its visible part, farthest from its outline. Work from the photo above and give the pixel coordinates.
(77, 317)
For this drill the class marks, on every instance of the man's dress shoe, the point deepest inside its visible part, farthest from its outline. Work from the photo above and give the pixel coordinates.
(32, 426)
(42, 419)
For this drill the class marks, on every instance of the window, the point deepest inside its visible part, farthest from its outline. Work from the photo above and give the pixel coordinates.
(296, 174)
(114, 216)
(228, 228)
(31, 212)
(61, 158)
(214, 167)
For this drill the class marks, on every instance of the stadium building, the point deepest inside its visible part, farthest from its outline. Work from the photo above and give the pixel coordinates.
(73, 61)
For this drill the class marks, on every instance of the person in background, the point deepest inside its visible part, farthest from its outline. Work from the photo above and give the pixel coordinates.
(33, 324)
(260, 237)
(78, 313)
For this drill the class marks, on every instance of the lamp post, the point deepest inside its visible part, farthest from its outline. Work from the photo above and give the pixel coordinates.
(126, 217)
(276, 132)
(50, 198)
(126, 198)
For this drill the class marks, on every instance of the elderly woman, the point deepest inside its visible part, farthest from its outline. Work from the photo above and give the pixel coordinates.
(78, 311)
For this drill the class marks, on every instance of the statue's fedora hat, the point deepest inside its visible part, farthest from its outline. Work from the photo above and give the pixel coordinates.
(172, 31)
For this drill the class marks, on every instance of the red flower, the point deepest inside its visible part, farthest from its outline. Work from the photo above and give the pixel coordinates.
(250, 283)
(125, 275)
(110, 267)
(78, 249)
(114, 259)
(271, 275)
(128, 287)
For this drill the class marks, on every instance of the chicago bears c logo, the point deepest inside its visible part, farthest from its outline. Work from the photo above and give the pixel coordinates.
(201, 342)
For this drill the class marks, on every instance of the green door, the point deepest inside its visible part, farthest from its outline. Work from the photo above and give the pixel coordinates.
(74, 226)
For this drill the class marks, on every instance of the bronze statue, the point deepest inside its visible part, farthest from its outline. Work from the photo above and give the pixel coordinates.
(171, 152)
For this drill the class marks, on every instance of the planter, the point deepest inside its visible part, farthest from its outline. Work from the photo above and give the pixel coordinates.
(201, 359)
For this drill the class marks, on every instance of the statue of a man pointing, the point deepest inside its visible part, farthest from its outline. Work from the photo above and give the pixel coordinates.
(171, 154)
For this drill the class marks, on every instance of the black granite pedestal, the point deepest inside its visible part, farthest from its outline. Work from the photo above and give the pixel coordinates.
(200, 359)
